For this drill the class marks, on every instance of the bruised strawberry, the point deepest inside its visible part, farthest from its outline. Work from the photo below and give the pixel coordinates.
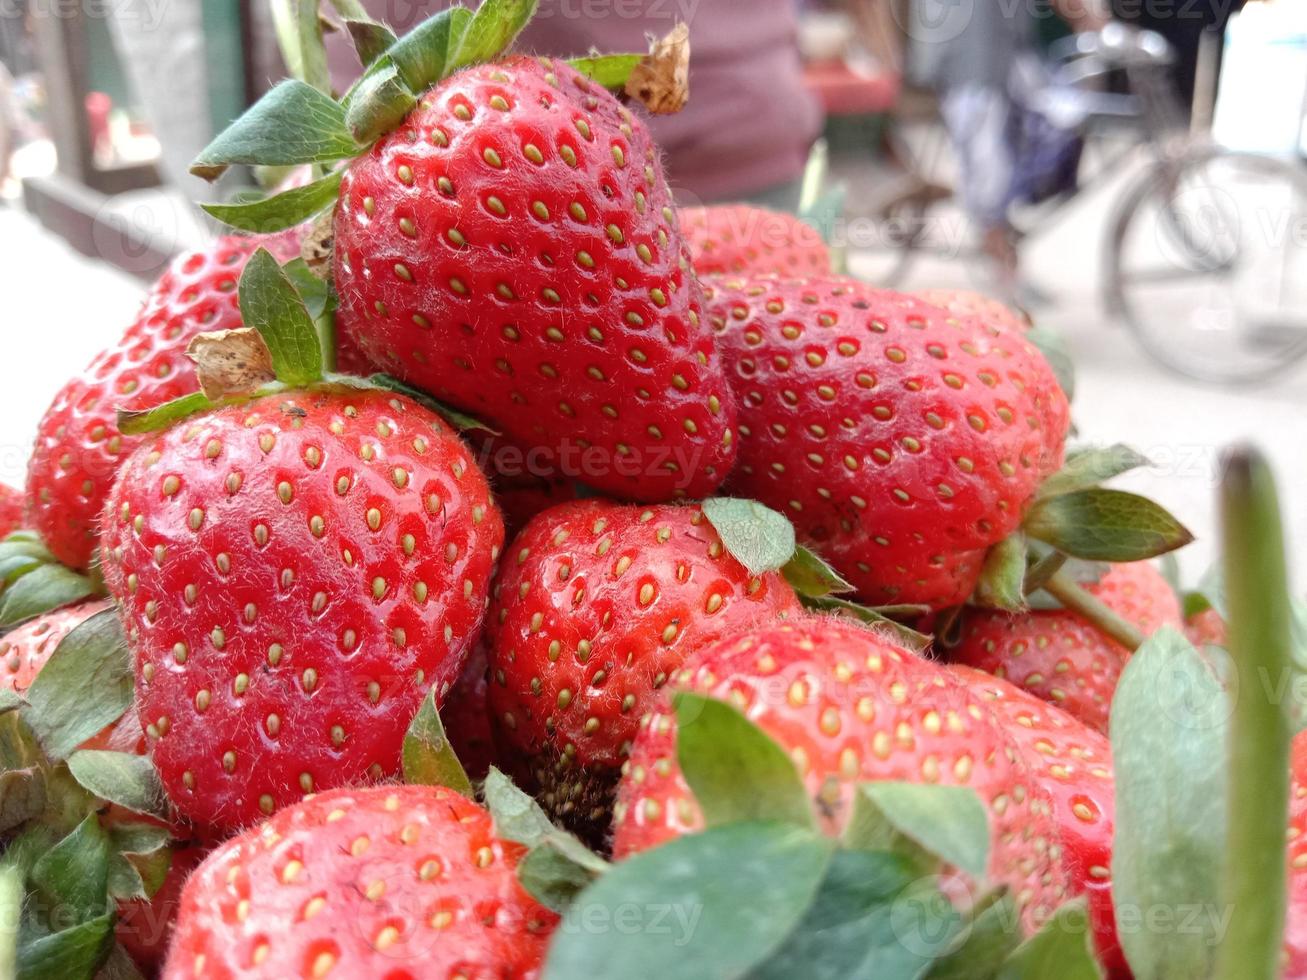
(849, 706)
(1059, 656)
(596, 605)
(294, 573)
(11, 510)
(1074, 764)
(740, 238)
(397, 881)
(901, 441)
(24, 650)
(965, 302)
(512, 250)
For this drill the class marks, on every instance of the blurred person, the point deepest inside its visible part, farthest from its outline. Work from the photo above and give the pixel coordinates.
(1184, 27)
(750, 122)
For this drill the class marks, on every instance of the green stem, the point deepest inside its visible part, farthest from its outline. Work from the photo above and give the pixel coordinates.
(11, 914)
(351, 9)
(326, 327)
(1260, 644)
(1063, 588)
(1043, 569)
(299, 36)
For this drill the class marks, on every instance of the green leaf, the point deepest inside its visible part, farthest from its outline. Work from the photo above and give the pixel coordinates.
(23, 796)
(925, 824)
(736, 771)
(1105, 525)
(40, 590)
(1059, 951)
(293, 123)
(552, 877)
(318, 295)
(993, 930)
(519, 818)
(759, 538)
(139, 860)
(270, 304)
(281, 211)
(370, 39)
(905, 636)
(135, 423)
(379, 102)
(84, 686)
(609, 70)
(129, 780)
(1169, 727)
(1053, 346)
(10, 701)
(75, 952)
(1002, 583)
(872, 917)
(425, 54)
(809, 575)
(460, 421)
(11, 914)
(492, 29)
(1085, 468)
(119, 965)
(429, 759)
(724, 900)
(73, 875)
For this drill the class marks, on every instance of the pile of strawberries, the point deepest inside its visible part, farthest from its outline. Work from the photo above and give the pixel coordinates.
(484, 543)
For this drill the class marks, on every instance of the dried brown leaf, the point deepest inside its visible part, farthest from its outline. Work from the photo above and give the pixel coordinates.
(231, 362)
(661, 82)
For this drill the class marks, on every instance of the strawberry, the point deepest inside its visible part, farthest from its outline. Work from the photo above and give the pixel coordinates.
(742, 239)
(24, 650)
(967, 303)
(524, 482)
(1058, 656)
(145, 926)
(850, 706)
(511, 249)
(11, 510)
(1206, 628)
(78, 446)
(466, 717)
(1295, 929)
(901, 441)
(398, 881)
(294, 573)
(596, 605)
(1074, 764)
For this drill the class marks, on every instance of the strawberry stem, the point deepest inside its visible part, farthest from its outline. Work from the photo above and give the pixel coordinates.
(1260, 731)
(1043, 569)
(1064, 589)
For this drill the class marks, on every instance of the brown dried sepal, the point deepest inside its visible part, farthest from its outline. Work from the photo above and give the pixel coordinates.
(316, 246)
(231, 362)
(661, 81)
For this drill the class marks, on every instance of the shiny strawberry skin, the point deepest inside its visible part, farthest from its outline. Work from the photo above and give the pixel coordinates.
(596, 605)
(1058, 656)
(1074, 764)
(11, 510)
(967, 303)
(854, 708)
(78, 446)
(741, 238)
(901, 441)
(294, 573)
(396, 881)
(511, 249)
(25, 649)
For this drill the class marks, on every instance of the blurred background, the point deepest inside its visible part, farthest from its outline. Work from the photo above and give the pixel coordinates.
(1129, 173)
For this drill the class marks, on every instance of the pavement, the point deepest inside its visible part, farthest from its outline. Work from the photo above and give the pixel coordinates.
(60, 308)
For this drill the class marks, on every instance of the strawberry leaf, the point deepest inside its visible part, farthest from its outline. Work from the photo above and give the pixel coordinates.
(135, 423)
(23, 796)
(281, 211)
(726, 899)
(1060, 949)
(429, 759)
(72, 876)
(270, 304)
(128, 780)
(371, 39)
(40, 590)
(809, 575)
(609, 70)
(460, 421)
(139, 860)
(293, 123)
(992, 931)
(1105, 525)
(379, 102)
(10, 701)
(736, 770)
(552, 876)
(426, 54)
(905, 636)
(1085, 468)
(318, 295)
(759, 538)
(1169, 727)
(1054, 347)
(84, 686)
(74, 952)
(925, 824)
(490, 32)
(1002, 583)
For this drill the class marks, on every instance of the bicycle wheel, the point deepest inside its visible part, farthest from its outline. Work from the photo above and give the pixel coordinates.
(1208, 264)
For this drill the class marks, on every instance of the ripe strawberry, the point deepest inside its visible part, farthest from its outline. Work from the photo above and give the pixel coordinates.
(11, 510)
(294, 573)
(1060, 657)
(739, 239)
(901, 441)
(1295, 928)
(1074, 764)
(466, 716)
(511, 248)
(1206, 628)
(524, 483)
(854, 708)
(965, 302)
(596, 605)
(78, 446)
(398, 881)
(25, 649)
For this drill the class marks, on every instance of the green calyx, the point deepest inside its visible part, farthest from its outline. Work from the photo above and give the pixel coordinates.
(33, 582)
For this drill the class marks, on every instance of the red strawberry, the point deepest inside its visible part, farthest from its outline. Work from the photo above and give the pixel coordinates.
(901, 441)
(466, 717)
(965, 302)
(1073, 763)
(1060, 657)
(511, 249)
(1206, 628)
(525, 480)
(399, 881)
(78, 446)
(24, 650)
(294, 574)
(740, 238)
(11, 510)
(596, 605)
(1295, 928)
(850, 706)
